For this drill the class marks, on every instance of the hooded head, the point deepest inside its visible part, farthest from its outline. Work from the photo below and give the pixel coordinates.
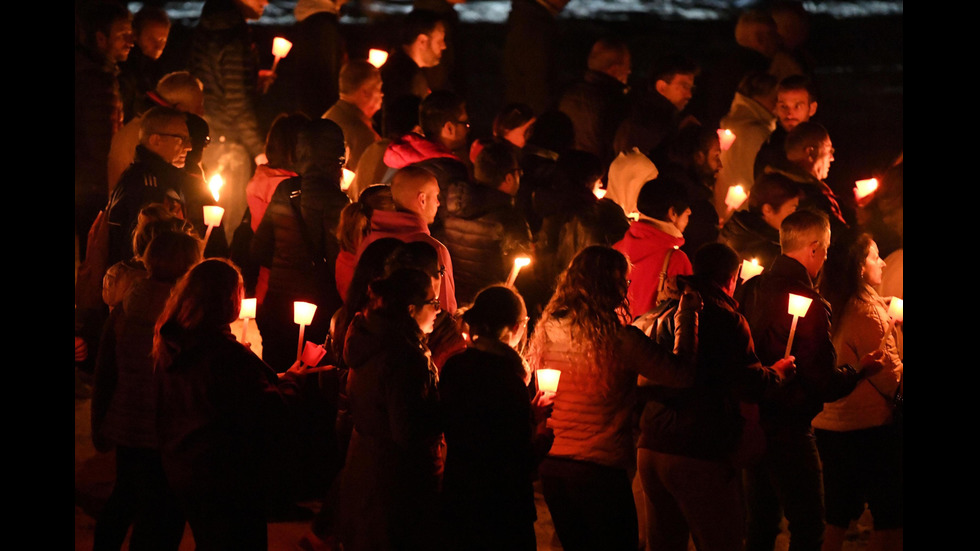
(320, 148)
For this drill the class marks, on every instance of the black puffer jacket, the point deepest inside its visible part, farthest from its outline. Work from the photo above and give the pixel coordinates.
(301, 250)
(483, 232)
(224, 58)
(751, 237)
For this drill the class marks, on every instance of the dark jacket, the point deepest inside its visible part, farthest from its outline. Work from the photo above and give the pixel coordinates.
(393, 468)
(220, 411)
(137, 76)
(489, 454)
(150, 179)
(703, 421)
(596, 106)
(483, 232)
(96, 94)
(223, 56)
(818, 379)
(751, 237)
(652, 121)
(817, 195)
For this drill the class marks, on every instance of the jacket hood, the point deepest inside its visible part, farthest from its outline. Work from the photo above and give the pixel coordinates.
(627, 174)
(648, 237)
(320, 148)
(413, 148)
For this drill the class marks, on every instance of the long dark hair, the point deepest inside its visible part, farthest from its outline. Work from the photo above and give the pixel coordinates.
(841, 277)
(591, 296)
(494, 309)
(208, 297)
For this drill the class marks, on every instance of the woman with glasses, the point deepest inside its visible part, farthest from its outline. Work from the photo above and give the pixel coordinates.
(389, 485)
(584, 333)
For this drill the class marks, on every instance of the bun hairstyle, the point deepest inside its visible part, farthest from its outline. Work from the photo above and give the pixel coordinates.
(401, 289)
(494, 310)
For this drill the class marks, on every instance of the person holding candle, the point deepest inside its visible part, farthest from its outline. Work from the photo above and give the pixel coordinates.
(297, 241)
(859, 442)
(788, 475)
(694, 441)
(220, 410)
(754, 233)
(584, 334)
(495, 432)
(388, 489)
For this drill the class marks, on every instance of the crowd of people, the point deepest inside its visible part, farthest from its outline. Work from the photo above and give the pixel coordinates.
(592, 233)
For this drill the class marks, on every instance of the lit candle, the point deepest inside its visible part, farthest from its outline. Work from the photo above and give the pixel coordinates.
(798, 306)
(377, 57)
(302, 316)
(735, 197)
(212, 218)
(598, 190)
(247, 312)
(896, 314)
(519, 263)
(750, 269)
(864, 188)
(280, 49)
(633, 216)
(548, 380)
(347, 179)
(215, 185)
(725, 138)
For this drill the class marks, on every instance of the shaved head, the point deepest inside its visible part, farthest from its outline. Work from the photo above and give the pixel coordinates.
(415, 189)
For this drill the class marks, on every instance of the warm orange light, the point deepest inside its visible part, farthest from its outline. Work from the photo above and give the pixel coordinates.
(864, 188)
(896, 310)
(750, 269)
(519, 263)
(281, 47)
(215, 185)
(303, 312)
(725, 138)
(735, 197)
(213, 215)
(347, 179)
(248, 309)
(548, 379)
(377, 57)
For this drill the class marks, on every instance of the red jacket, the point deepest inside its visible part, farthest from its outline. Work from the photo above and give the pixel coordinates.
(645, 246)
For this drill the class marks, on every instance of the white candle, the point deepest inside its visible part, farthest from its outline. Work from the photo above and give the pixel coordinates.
(247, 312)
(864, 188)
(725, 138)
(212, 218)
(302, 316)
(347, 179)
(548, 380)
(750, 269)
(377, 57)
(312, 354)
(280, 49)
(735, 197)
(519, 263)
(798, 306)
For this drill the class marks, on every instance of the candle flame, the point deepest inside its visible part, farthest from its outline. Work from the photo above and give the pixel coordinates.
(735, 197)
(522, 261)
(215, 185)
(377, 57)
(281, 47)
(863, 188)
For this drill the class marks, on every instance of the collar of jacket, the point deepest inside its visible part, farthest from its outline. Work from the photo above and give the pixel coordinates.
(398, 222)
(665, 227)
(790, 268)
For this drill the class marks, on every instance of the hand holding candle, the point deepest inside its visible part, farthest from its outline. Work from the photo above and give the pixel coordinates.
(247, 312)
(519, 263)
(725, 138)
(302, 315)
(798, 306)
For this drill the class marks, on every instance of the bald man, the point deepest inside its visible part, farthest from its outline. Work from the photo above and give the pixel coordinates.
(416, 195)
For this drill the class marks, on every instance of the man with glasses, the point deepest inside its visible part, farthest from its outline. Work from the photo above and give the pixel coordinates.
(154, 177)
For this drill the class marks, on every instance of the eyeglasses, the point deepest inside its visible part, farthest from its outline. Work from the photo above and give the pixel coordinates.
(433, 303)
(183, 139)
